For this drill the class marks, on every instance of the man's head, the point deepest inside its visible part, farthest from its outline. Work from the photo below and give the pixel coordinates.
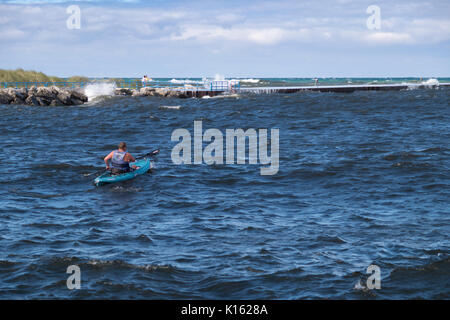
(122, 146)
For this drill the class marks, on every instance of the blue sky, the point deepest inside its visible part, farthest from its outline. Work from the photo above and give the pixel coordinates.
(286, 38)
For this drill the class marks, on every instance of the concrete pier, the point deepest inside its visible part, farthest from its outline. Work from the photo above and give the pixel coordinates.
(186, 93)
(342, 88)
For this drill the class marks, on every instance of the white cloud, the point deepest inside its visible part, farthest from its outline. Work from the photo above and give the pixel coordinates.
(11, 34)
(207, 25)
(388, 38)
(264, 36)
(229, 17)
(265, 24)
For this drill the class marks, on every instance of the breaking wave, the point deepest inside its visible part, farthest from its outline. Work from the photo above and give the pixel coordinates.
(95, 90)
(185, 81)
(431, 82)
(248, 80)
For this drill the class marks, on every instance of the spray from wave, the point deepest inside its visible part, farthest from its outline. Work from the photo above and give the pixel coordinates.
(95, 90)
(431, 82)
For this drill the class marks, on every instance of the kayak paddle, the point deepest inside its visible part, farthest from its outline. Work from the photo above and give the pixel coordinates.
(150, 154)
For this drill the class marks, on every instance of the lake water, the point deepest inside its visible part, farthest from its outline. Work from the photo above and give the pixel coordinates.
(363, 180)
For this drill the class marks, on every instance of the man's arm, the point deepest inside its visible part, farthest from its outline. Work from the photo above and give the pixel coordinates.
(107, 158)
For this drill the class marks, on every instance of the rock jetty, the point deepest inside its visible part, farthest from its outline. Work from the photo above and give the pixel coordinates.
(153, 92)
(43, 96)
(55, 96)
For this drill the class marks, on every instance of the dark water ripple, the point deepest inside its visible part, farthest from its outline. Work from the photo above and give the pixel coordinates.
(363, 180)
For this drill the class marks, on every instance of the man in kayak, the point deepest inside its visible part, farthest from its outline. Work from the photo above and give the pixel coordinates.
(118, 161)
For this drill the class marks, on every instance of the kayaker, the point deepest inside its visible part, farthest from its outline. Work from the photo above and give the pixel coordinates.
(118, 161)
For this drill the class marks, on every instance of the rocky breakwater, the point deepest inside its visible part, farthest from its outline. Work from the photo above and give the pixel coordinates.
(153, 92)
(43, 96)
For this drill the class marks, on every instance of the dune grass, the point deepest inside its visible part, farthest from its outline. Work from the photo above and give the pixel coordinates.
(21, 75)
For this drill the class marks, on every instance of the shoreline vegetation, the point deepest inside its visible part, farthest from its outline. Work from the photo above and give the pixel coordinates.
(20, 75)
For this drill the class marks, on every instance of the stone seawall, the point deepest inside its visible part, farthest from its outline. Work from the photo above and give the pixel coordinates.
(181, 93)
(54, 96)
(43, 96)
(147, 91)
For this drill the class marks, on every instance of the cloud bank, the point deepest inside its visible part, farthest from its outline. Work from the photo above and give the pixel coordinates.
(129, 28)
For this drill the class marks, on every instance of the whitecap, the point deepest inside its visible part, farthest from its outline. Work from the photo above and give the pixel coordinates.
(170, 107)
(232, 95)
(431, 82)
(250, 80)
(185, 81)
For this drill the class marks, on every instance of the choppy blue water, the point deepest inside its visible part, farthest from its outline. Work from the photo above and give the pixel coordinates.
(292, 82)
(363, 179)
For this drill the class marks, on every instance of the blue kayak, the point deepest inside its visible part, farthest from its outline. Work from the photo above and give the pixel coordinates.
(142, 167)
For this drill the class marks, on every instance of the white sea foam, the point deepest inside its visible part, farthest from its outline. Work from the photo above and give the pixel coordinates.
(428, 83)
(185, 81)
(233, 95)
(359, 286)
(95, 90)
(170, 107)
(431, 82)
(247, 80)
